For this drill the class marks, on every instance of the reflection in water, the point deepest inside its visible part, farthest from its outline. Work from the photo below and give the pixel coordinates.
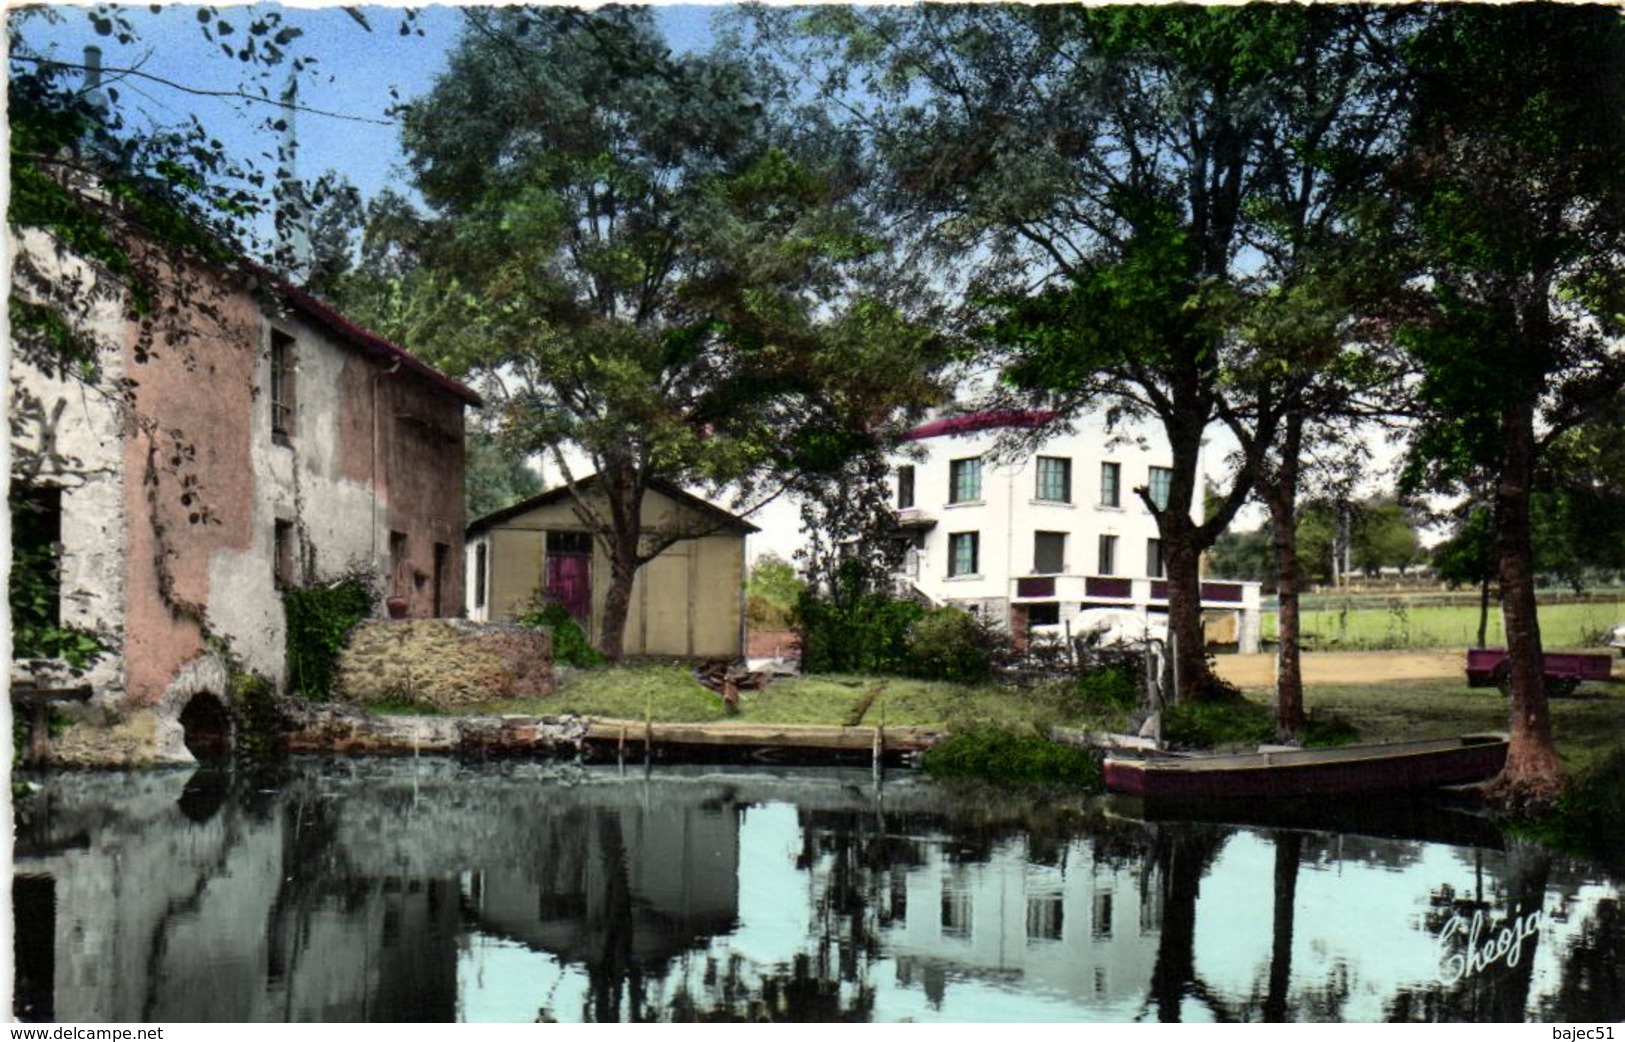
(428, 890)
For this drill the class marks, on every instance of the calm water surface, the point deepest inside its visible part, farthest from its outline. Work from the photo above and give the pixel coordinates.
(375, 890)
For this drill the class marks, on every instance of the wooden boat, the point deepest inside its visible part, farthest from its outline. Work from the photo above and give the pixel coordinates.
(1349, 770)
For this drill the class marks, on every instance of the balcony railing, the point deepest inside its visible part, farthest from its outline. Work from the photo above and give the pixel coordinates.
(1114, 590)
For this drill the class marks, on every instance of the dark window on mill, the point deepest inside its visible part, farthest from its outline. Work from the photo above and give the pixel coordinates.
(283, 543)
(442, 557)
(399, 581)
(283, 360)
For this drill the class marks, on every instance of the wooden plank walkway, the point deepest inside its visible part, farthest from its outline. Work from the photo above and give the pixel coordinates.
(808, 737)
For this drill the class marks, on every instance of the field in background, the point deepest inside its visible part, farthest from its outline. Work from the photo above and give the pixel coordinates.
(1430, 621)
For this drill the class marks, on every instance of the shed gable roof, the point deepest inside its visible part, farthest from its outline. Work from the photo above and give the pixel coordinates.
(723, 518)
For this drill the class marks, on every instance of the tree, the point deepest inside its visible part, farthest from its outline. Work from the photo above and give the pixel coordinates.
(495, 477)
(1468, 556)
(1578, 505)
(1244, 555)
(647, 270)
(1515, 189)
(1103, 172)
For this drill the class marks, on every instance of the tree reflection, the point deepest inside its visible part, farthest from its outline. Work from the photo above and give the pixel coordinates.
(1178, 861)
(1592, 987)
(1477, 987)
(1288, 854)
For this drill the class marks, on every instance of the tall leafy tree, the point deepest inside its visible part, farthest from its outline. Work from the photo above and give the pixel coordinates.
(1106, 175)
(660, 279)
(1516, 190)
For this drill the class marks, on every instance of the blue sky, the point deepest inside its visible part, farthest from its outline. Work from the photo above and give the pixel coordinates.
(353, 74)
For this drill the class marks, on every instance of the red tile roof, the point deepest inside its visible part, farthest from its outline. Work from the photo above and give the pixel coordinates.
(368, 342)
(970, 423)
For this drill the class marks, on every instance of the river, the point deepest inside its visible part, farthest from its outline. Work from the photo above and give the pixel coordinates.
(433, 890)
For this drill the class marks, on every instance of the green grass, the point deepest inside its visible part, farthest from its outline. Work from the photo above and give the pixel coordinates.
(667, 693)
(1586, 729)
(1410, 623)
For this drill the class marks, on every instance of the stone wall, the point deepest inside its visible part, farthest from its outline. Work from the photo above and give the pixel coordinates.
(445, 663)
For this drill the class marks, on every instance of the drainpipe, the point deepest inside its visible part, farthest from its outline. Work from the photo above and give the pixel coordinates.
(1009, 547)
(376, 439)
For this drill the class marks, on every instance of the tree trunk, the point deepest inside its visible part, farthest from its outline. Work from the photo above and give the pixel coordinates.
(624, 491)
(1182, 563)
(1484, 584)
(1281, 496)
(623, 569)
(1183, 569)
(1533, 774)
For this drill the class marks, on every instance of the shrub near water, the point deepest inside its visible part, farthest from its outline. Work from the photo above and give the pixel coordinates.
(1003, 756)
(1589, 818)
(1216, 725)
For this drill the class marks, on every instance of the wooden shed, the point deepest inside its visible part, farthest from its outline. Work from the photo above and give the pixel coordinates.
(689, 601)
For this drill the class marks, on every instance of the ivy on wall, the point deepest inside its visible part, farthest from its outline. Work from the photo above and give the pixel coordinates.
(319, 619)
(34, 587)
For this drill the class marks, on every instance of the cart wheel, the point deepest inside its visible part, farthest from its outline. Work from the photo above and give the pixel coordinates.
(1501, 677)
(1561, 687)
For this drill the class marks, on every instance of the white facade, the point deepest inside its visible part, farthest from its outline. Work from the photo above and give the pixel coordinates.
(1041, 537)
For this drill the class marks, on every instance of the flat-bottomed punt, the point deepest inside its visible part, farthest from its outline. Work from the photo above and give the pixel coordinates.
(1349, 770)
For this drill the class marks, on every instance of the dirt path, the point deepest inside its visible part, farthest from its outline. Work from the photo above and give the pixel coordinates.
(1348, 667)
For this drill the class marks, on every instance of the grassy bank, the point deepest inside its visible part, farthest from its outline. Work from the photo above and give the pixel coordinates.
(669, 693)
(1001, 730)
(1587, 727)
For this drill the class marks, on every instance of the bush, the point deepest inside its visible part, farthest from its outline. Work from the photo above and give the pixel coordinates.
(1002, 756)
(570, 645)
(1589, 818)
(764, 615)
(1210, 725)
(1328, 730)
(1112, 687)
(319, 620)
(868, 634)
(950, 644)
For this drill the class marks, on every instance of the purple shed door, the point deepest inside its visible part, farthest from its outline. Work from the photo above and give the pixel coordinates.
(569, 582)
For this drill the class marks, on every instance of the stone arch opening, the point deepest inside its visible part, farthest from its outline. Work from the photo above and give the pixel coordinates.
(206, 728)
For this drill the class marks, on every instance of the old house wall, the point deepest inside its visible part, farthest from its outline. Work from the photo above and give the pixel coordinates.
(71, 435)
(424, 490)
(190, 497)
(177, 491)
(517, 552)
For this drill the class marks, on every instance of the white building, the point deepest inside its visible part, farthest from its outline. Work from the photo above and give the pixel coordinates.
(1039, 539)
